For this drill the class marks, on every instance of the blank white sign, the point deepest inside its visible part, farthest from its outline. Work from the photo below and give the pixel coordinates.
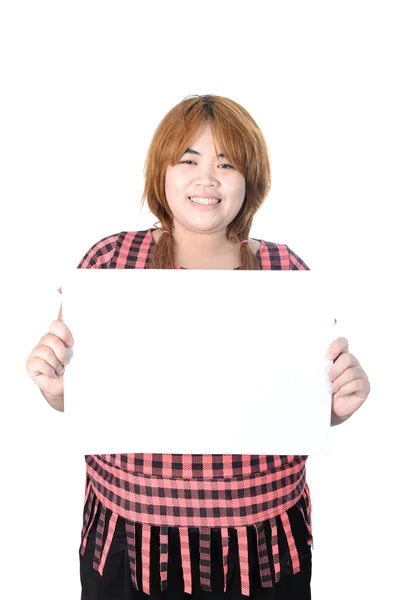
(198, 361)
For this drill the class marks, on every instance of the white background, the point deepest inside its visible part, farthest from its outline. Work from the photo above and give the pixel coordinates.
(84, 85)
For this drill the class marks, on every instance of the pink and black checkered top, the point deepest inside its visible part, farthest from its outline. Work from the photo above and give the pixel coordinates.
(183, 490)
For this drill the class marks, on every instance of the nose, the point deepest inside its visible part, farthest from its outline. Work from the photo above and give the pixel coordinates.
(206, 175)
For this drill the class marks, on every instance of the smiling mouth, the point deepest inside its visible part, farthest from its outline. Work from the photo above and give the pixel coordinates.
(213, 203)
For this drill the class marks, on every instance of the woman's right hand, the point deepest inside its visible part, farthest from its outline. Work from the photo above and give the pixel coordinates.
(47, 361)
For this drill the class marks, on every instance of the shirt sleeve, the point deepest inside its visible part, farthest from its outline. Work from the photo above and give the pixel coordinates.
(296, 263)
(99, 255)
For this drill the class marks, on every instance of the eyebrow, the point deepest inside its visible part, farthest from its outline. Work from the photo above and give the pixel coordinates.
(191, 151)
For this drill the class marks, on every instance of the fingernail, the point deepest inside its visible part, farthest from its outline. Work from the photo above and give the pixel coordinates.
(60, 370)
(330, 355)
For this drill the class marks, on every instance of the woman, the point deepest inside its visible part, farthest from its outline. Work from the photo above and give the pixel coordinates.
(210, 525)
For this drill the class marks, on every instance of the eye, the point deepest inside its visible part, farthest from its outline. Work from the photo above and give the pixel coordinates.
(192, 161)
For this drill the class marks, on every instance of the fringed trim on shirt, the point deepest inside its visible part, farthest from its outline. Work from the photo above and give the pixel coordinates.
(307, 516)
(131, 546)
(275, 548)
(268, 573)
(146, 535)
(185, 557)
(205, 558)
(100, 550)
(263, 559)
(225, 548)
(291, 543)
(243, 550)
(88, 519)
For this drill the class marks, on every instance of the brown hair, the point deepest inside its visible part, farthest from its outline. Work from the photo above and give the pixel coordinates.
(243, 144)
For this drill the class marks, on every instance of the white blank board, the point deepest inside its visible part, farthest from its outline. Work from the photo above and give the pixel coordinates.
(198, 361)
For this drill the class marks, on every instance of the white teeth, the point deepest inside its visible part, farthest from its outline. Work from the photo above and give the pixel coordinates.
(198, 200)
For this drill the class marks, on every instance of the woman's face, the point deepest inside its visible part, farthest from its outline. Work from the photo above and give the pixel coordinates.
(200, 174)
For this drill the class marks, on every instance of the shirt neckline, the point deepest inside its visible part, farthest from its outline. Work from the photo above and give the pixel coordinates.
(257, 254)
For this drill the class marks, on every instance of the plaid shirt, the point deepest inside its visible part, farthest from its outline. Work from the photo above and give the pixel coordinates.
(184, 490)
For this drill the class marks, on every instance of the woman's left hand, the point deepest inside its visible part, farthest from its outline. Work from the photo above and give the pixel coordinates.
(350, 384)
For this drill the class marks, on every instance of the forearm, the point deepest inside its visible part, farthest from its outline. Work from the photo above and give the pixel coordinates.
(335, 420)
(56, 402)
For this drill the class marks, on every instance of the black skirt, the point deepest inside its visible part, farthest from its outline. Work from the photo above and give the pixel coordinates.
(116, 582)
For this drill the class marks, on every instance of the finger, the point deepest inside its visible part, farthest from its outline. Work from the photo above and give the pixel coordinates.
(356, 385)
(52, 350)
(344, 361)
(340, 345)
(348, 375)
(38, 367)
(349, 400)
(60, 329)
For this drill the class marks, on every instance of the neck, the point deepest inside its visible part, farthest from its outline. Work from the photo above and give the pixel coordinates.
(202, 244)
